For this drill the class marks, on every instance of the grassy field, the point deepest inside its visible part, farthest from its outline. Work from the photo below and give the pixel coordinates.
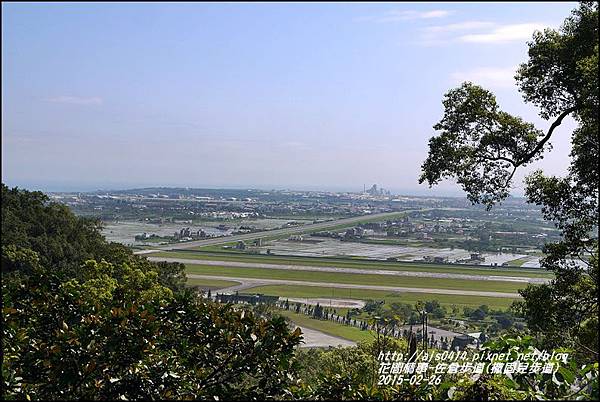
(518, 262)
(283, 291)
(359, 279)
(329, 327)
(210, 283)
(356, 263)
(216, 248)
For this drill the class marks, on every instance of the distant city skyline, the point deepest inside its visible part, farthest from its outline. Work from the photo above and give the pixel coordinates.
(85, 188)
(251, 95)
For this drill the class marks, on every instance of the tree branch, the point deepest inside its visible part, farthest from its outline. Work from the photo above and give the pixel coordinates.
(544, 140)
(498, 158)
(583, 387)
(591, 351)
(507, 182)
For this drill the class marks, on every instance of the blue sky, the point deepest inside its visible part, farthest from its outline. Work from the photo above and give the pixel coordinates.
(290, 95)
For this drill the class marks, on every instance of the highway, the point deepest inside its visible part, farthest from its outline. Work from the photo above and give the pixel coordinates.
(276, 232)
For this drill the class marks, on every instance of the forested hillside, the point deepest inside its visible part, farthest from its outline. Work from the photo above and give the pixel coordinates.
(83, 318)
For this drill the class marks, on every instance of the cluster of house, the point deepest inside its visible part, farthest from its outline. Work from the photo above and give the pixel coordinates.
(398, 228)
(188, 234)
(475, 258)
(246, 229)
(357, 233)
(422, 231)
(241, 245)
(227, 215)
(145, 236)
(182, 234)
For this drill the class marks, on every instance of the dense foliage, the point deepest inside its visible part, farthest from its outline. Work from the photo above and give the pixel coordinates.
(481, 147)
(352, 374)
(86, 319)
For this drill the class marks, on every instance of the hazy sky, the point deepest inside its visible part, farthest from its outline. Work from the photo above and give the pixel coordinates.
(301, 96)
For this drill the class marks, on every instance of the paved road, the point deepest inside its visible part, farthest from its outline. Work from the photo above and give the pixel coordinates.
(242, 285)
(279, 232)
(344, 270)
(139, 252)
(247, 283)
(318, 339)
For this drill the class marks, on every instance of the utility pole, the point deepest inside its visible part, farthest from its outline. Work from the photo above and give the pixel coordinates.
(424, 323)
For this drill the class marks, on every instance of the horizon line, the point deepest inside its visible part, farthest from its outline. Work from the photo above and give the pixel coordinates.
(50, 188)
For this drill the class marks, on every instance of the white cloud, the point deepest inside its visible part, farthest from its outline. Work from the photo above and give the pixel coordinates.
(444, 34)
(433, 14)
(478, 32)
(405, 15)
(459, 26)
(504, 33)
(492, 77)
(76, 100)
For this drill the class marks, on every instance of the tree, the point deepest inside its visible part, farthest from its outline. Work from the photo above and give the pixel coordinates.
(61, 240)
(478, 314)
(402, 311)
(317, 312)
(505, 320)
(436, 310)
(455, 310)
(373, 307)
(117, 326)
(482, 147)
